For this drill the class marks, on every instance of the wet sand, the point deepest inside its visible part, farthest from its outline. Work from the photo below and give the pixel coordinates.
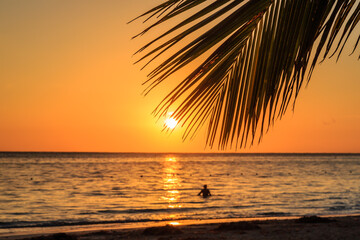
(309, 227)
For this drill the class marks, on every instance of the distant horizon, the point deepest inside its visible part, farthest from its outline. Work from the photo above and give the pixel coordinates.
(219, 153)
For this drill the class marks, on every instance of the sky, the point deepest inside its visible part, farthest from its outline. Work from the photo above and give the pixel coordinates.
(68, 83)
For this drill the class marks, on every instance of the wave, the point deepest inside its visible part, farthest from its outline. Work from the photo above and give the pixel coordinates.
(340, 208)
(82, 222)
(155, 210)
(58, 223)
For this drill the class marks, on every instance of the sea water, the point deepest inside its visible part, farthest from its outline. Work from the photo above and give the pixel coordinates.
(57, 189)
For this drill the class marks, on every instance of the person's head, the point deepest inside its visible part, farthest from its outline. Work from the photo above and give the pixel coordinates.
(205, 186)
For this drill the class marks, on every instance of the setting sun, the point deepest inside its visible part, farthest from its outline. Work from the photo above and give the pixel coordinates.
(170, 122)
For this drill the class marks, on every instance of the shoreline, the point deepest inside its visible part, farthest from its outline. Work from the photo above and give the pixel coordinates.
(283, 227)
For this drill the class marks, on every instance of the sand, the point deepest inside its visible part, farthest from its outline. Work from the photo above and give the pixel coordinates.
(310, 227)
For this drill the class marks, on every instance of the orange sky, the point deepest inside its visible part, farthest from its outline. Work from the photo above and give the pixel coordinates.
(67, 83)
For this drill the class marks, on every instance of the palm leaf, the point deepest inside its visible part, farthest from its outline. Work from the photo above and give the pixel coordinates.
(258, 54)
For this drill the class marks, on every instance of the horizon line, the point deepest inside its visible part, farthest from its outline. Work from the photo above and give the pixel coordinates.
(110, 152)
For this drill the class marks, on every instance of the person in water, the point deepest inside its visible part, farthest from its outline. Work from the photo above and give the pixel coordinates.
(205, 192)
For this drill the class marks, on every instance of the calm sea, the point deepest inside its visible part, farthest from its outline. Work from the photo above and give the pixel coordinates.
(57, 189)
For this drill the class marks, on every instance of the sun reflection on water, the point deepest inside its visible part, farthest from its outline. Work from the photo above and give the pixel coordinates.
(171, 183)
(174, 223)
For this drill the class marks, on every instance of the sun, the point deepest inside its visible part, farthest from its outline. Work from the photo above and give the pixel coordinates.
(170, 122)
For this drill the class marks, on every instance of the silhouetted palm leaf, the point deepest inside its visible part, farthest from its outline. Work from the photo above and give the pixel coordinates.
(262, 52)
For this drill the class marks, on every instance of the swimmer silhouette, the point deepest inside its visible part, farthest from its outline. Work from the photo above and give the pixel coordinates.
(205, 192)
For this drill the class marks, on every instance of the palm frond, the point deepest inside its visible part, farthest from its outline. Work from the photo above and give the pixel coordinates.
(261, 56)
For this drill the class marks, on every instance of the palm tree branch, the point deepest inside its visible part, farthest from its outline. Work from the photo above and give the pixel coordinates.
(258, 59)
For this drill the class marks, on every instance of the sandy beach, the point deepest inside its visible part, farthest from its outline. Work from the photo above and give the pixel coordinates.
(309, 227)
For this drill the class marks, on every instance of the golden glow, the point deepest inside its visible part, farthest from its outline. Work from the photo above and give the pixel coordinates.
(171, 183)
(174, 223)
(171, 159)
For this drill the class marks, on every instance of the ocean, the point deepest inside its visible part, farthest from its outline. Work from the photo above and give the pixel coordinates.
(70, 189)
